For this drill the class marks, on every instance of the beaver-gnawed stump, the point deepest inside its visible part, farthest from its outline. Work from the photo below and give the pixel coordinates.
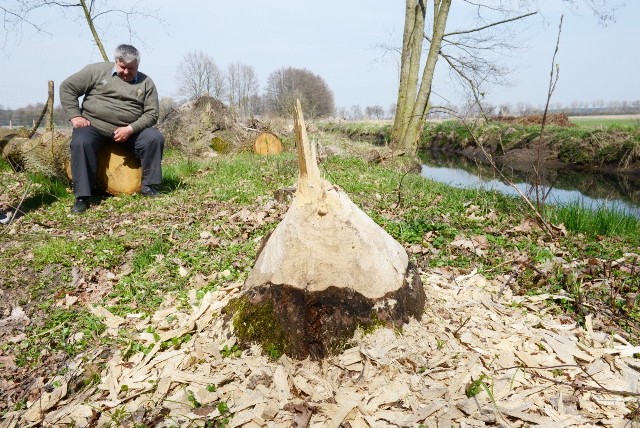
(326, 270)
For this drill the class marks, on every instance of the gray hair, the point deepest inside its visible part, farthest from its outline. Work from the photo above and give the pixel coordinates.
(127, 54)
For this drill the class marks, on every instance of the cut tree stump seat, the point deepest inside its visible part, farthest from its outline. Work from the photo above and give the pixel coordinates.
(119, 171)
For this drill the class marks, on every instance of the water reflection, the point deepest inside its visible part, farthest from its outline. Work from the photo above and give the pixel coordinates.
(619, 192)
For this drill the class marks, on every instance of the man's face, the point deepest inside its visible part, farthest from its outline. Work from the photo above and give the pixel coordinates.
(126, 71)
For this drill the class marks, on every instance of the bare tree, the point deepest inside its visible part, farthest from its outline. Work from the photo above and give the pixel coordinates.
(98, 14)
(374, 112)
(199, 75)
(167, 104)
(356, 112)
(286, 85)
(243, 88)
(392, 110)
(466, 51)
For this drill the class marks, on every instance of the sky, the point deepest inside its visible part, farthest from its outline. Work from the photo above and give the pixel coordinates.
(351, 44)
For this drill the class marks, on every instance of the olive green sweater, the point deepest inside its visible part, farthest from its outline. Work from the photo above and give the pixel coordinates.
(109, 102)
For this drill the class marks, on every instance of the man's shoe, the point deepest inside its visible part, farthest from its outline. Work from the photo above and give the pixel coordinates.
(81, 205)
(149, 191)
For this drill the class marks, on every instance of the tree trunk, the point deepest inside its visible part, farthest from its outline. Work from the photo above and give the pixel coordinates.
(46, 154)
(267, 143)
(326, 270)
(412, 38)
(413, 103)
(119, 171)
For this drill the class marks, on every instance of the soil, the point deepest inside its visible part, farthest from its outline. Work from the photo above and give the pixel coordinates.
(611, 152)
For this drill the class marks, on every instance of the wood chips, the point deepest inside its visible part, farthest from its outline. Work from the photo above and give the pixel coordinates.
(480, 357)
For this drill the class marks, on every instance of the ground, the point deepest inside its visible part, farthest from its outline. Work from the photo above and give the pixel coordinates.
(480, 357)
(483, 355)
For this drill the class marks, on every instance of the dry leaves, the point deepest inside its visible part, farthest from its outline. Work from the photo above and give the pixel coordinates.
(479, 357)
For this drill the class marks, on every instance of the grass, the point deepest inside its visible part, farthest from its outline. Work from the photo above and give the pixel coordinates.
(596, 141)
(602, 221)
(205, 231)
(599, 122)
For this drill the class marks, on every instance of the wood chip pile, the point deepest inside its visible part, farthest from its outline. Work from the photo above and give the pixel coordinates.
(480, 357)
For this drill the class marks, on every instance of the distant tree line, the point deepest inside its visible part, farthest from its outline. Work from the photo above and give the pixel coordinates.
(576, 108)
(274, 101)
(238, 86)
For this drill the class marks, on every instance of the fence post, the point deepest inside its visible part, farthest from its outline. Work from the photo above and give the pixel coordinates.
(50, 107)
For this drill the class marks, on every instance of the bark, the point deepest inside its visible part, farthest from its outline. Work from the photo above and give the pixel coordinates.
(47, 154)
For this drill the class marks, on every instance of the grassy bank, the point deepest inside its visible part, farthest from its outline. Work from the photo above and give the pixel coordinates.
(129, 254)
(595, 142)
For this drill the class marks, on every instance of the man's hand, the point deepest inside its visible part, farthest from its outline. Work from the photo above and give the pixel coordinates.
(79, 122)
(120, 135)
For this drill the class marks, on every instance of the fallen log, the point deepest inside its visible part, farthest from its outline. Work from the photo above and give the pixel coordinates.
(119, 171)
(326, 270)
(45, 154)
(267, 143)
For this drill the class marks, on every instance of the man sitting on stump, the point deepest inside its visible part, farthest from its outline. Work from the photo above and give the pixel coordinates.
(120, 106)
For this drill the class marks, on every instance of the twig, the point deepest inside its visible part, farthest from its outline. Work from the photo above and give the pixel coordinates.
(598, 388)
(37, 125)
(17, 208)
(537, 214)
(249, 129)
(588, 388)
(455, 333)
(400, 184)
(553, 81)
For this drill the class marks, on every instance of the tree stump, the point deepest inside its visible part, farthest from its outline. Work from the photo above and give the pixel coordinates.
(324, 271)
(267, 144)
(119, 171)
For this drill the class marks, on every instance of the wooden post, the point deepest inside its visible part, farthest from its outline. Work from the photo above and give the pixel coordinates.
(50, 107)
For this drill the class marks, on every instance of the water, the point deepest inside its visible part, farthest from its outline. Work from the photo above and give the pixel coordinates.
(620, 193)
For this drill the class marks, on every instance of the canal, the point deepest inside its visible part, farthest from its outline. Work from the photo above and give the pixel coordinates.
(620, 192)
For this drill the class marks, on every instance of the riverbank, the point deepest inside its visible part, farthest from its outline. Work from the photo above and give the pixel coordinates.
(609, 144)
(597, 156)
(525, 147)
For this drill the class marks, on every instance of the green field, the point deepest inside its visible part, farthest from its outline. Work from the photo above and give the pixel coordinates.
(592, 122)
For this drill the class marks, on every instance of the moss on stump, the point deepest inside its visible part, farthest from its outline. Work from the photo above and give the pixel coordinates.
(317, 324)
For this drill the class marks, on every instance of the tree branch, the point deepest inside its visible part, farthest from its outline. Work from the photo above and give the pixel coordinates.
(475, 30)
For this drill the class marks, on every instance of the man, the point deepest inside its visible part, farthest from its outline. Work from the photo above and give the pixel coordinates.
(120, 106)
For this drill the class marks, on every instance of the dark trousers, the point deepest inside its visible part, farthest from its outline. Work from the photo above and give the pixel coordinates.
(87, 140)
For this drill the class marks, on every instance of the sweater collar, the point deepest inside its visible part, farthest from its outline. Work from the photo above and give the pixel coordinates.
(134, 80)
